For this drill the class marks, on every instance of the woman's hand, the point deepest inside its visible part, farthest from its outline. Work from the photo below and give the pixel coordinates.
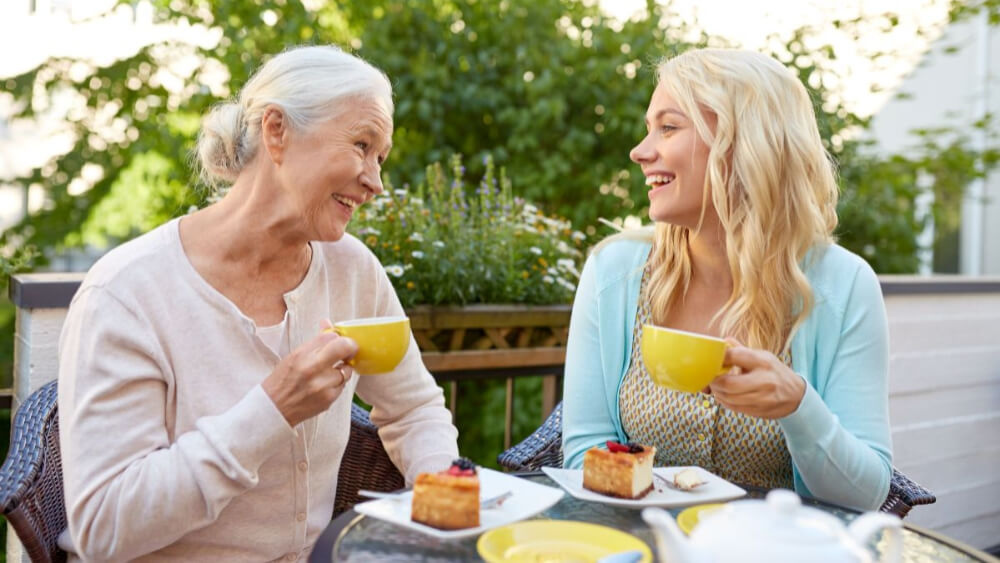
(759, 384)
(307, 381)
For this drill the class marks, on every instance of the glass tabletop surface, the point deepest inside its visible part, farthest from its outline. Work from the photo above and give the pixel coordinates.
(356, 538)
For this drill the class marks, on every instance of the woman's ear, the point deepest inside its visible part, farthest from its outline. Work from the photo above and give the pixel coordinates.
(274, 133)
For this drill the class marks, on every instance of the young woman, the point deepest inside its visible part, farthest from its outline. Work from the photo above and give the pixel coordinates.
(744, 200)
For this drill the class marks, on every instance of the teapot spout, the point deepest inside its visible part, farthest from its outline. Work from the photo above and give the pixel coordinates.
(864, 528)
(671, 544)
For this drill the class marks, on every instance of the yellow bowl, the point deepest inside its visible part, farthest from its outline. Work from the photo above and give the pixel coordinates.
(382, 342)
(556, 540)
(689, 517)
(680, 360)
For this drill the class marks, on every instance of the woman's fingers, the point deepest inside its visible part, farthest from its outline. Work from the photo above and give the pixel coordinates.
(332, 349)
(346, 372)
(735, 384)
(763, 392)
(340, 349)
(309, 379)
(748, 358)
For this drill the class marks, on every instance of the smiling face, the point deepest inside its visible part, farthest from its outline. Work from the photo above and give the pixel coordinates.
(673, 158)
(334, 167)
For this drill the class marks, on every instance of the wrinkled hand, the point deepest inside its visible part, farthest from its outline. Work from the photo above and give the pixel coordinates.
(759, 384)
(308, 380)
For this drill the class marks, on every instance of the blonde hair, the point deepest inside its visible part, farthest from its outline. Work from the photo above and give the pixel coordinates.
(772, 184)
(310, 85)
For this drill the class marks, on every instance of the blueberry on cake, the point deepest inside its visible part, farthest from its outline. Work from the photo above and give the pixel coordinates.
(622, 470)
(447, 500)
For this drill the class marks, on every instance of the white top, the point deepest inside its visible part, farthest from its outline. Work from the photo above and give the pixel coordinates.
(275, 337)
(170, 447)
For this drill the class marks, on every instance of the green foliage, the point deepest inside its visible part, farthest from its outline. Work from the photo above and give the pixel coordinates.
(878, 212)
(442, 245)
(553, 89)
(965, 9)
(146, 193)
(144, 107)
(877, 217)
(480, 407)
(13, 260)
(880, 218)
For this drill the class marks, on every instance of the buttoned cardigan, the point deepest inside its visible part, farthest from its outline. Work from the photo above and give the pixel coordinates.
(839, 436)
(170, 447)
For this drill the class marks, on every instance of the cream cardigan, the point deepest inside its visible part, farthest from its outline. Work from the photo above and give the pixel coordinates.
(170, 447)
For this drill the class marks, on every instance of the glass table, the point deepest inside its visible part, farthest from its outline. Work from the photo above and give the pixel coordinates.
(355, 538)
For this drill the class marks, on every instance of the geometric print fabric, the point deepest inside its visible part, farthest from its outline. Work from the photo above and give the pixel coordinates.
(693, 429)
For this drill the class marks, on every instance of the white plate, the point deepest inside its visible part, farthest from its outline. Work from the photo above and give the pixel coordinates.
(715, 489)
(528, 499)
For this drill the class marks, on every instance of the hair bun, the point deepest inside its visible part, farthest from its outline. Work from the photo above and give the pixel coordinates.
(219, 144)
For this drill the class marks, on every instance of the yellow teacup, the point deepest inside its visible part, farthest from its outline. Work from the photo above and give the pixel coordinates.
(682, 361)
(382, 342)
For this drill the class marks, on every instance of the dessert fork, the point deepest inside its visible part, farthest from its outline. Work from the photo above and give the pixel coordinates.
(486, 503)
(670, 484)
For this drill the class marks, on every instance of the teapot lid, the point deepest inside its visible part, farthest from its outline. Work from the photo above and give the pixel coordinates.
(781, 519)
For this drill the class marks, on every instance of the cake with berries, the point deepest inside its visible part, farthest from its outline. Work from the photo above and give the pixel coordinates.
(622, 470)
(448, 500)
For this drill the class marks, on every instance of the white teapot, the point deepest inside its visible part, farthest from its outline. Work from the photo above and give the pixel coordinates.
(773, 530)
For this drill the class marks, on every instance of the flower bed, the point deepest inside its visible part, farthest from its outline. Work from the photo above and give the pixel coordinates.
(442, 245)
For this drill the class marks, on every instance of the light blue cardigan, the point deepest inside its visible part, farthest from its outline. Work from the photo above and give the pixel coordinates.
(838, 437)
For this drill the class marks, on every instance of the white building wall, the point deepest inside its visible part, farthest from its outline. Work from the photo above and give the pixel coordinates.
(947, 89)
(944, 407)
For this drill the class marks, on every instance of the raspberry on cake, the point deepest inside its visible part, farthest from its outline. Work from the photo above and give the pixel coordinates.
(623, 470)
(448, 500)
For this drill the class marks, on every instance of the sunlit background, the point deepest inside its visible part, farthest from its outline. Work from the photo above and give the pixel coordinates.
(868, 75)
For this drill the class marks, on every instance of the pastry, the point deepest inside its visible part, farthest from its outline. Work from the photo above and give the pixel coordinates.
(448, 500)
(687, 479)
(623, 470)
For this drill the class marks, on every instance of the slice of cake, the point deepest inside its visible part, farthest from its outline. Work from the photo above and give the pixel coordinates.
(623, 470)
(687, 480)
(448, 500)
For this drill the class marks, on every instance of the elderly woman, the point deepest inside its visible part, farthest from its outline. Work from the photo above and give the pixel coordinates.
(744, 200)
(203, 412)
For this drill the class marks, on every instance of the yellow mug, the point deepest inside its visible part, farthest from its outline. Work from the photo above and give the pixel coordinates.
(382, 342)
(680, 360)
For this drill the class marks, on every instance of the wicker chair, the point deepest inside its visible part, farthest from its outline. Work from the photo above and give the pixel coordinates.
(31, 489)
(543, 448)
(365, 464)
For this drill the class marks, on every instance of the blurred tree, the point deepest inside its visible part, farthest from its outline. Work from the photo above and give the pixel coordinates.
(555, 90)
(135, 120)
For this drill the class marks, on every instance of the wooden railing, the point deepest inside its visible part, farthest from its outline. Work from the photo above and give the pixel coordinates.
(457, 343)
(494, 341)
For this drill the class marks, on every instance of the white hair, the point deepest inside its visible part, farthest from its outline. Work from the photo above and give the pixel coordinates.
(310, 84)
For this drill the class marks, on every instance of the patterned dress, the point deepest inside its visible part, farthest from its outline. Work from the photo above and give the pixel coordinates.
(693, 429)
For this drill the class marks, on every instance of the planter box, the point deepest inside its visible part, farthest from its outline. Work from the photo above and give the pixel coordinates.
(481, 341)
(490, 337)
